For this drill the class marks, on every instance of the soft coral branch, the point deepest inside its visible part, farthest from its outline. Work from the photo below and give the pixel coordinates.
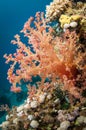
(44, 61)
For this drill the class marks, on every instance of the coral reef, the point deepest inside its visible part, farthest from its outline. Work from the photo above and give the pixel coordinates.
(56, 8)
(48, 115)
(58, 57)
(65, 12)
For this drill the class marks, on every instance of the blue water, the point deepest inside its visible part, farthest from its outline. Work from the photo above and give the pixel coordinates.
(13, 15)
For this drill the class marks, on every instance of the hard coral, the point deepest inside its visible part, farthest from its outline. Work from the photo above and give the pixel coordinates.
(56, 8)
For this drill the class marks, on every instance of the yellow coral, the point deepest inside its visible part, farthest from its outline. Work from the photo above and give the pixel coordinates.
(64, 19)
(75, 17)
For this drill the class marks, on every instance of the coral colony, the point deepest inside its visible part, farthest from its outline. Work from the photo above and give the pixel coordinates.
(58, 100)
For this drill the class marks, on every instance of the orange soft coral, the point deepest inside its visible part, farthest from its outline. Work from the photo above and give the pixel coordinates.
(44, 60)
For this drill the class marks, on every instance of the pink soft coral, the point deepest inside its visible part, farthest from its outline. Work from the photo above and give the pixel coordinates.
(44, 61)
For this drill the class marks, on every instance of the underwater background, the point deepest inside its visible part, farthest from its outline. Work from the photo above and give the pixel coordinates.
(13, 15)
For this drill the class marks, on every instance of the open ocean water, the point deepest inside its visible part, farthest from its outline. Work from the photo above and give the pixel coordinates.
(13, 15)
